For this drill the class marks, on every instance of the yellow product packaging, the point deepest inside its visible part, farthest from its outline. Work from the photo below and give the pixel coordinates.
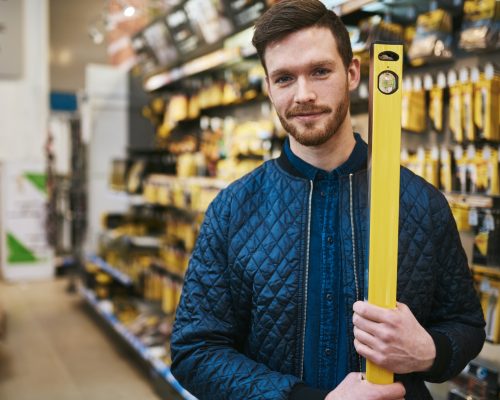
(231, 92)
(489, 292)
(186, 165)
(480, 25)
(413, 106)
(461, 162)
(456, 108)
(431, 171)
(168, 297)
(446, 171)
(178, 195)
(163, 195)
(177, 109)
(189, 236)
(467, 90)
(487, 105)
(482, 179)
(433, 38)
(489, 171)
(436, 100)
(194, 107)
(158, 287)
(494, 172)
(460, 211)
(149, 192)
(471, 169)
(419, 162)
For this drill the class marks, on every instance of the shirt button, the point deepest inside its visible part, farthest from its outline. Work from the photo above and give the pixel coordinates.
(330, 240)
(328, 351)
(329, 297)
(323, 194)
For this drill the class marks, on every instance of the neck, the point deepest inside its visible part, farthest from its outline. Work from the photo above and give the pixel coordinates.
(331, 154)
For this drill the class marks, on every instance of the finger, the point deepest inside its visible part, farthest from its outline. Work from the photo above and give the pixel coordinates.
(366, 338)
(398, 389)
(372, 312)
(366, 352)
(367, 325)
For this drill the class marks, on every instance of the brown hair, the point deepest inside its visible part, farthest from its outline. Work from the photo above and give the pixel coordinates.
(288, 16)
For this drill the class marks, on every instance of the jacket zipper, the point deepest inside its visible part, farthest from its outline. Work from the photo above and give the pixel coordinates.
(354, 264)
(306, 279)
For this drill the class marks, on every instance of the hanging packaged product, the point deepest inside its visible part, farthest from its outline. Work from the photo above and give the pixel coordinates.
(431, 167)
(436, 101)
(481, 25)
(446, 170)
(471, 169)
(456, 108)
(490, 301)
(415, 162)
(486, 225)
(413, 105)
(488, 171)
(168, 296)
(467, 90)
(482, 183)
(231, 91)
(462, 172)
(460, 211)
(487, 105)
(433, 39)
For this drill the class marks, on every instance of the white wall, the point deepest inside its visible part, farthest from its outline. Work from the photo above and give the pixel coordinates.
(24, 102)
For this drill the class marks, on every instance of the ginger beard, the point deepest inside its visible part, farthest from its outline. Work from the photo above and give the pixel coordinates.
(315, 133)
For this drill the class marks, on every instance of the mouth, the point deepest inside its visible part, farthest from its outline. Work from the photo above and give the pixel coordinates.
(308, 116)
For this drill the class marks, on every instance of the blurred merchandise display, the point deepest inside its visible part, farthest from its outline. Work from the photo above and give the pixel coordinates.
(478, 381)
(481, 26)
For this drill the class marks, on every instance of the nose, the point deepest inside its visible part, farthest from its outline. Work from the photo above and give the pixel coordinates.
(304, 92)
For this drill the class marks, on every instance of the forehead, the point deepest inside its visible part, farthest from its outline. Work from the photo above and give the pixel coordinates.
(304, 47)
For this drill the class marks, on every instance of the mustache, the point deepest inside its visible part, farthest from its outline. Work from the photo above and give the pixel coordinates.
(307, 109)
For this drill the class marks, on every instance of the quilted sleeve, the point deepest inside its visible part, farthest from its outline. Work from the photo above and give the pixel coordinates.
(457, 322)
(207, 336)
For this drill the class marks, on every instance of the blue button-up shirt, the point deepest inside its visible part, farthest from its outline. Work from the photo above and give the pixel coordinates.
(326, 346)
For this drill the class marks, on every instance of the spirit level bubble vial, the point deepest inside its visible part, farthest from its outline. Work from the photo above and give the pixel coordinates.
(386, 70)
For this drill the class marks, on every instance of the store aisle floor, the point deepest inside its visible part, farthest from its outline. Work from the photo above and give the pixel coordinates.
(54, 350)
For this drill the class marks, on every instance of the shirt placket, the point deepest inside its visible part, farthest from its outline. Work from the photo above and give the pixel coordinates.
(329, 305)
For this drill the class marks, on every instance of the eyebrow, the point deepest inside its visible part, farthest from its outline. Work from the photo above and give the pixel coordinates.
(315, 64)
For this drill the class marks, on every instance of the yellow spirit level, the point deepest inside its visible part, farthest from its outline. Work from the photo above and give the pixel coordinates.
(386, 73)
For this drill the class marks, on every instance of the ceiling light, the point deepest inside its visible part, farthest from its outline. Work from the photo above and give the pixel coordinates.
(129, 11)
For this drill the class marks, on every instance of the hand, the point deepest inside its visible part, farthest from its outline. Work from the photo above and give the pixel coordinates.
(354, 387)
(392, 338)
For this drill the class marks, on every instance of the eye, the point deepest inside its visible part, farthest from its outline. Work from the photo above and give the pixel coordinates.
(281, 80)
(321, 71)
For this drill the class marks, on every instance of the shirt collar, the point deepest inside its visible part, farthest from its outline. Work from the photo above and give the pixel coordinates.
(355, 162)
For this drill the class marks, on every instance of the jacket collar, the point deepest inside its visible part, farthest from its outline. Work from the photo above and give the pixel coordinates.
(359, 154)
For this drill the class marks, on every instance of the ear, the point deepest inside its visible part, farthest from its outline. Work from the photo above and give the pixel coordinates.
(354, 73)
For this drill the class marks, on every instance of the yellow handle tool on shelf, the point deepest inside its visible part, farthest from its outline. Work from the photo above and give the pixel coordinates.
(386, 70)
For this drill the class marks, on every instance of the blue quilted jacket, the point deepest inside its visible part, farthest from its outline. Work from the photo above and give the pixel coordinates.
(239, 329)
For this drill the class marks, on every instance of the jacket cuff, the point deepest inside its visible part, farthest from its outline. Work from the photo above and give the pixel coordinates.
(302, 392)
(443, 355)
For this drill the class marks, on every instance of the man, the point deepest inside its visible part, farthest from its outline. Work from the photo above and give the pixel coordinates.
(271, 304)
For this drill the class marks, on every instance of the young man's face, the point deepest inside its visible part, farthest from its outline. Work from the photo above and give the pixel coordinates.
(309, 85)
